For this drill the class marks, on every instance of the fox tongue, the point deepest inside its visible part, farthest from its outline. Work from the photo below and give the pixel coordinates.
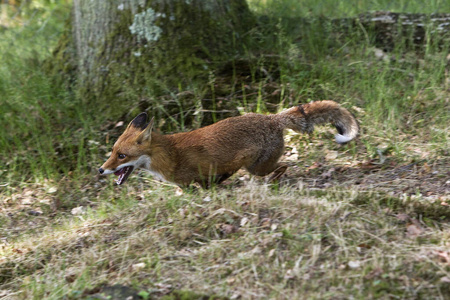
(123, 174)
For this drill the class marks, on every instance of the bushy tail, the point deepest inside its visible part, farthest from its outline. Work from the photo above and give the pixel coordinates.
(302, 118)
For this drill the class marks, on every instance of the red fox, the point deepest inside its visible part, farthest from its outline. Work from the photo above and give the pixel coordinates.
(213, 153)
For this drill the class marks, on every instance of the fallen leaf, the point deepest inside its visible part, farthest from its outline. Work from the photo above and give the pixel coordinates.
(380, 54)
(426, 168)
(354, 264)
(443, 256)
(292, 155)
(244, 221)
(369, 164)
(329, 173)
(163, 288)
(183, 212)
(138, 266)
(70, 275)
(331, 155)
(271, 253)
(315, 165)
(289, 274)
(228, 228)
(52, 190)
(256, 250)
(77, 210)
(358, 109)
(366, 246)
(374, 273)
(179, 191)
(231, 280)
(27, 200)
(413, 231)
(402, 217)
(266, 222)
(244, 178)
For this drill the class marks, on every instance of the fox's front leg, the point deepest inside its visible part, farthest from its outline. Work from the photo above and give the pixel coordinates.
(216, 179)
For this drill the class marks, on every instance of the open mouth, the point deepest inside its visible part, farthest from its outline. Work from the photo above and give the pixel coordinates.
(123, 174)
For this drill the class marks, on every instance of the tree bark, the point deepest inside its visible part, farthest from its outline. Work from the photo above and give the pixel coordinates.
(122, 51)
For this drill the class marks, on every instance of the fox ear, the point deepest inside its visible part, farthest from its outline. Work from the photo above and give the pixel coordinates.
(146, 134)
(140, 121)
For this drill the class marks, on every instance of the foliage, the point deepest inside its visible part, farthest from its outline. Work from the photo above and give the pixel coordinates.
(369, 219)
(151, 49)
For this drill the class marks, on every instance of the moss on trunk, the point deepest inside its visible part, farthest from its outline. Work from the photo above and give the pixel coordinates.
(123, 53)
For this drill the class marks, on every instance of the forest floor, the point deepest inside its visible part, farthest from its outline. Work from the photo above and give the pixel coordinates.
(366, 220)
(337, 225)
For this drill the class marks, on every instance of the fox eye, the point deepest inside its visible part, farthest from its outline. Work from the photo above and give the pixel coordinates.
(122, 156)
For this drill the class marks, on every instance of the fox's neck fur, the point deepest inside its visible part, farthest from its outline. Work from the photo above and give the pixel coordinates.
(161, 154)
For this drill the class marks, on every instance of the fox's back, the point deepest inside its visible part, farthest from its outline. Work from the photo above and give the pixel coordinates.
(233, 133)
(229, 144)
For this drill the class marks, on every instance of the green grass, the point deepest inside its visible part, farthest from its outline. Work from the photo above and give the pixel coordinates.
(367, 220)
(40, 119)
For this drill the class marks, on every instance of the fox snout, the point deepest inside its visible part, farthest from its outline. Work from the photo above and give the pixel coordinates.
(105, 171)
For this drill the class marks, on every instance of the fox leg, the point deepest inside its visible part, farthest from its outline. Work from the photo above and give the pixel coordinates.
(276, 169)
(216, 179)
(277, 173)
(268, 163)
(222, 177)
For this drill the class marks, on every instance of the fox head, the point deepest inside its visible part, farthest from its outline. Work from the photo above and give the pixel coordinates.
(131, 150)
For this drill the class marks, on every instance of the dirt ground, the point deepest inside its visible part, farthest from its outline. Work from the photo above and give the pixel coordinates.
(411, 179)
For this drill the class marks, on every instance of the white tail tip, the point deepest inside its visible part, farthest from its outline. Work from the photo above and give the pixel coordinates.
(341, 139)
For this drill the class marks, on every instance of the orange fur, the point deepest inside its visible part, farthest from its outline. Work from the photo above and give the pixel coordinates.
(213, 153)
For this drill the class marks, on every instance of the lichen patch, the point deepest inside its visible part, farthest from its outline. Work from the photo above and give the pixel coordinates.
(144, 25)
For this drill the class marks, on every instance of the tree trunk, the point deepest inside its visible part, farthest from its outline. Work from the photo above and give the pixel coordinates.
(124, 51)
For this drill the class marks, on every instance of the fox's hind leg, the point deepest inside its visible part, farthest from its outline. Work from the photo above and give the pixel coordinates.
(277, 173)
(222, 177)
(267, 163)
(263, 169)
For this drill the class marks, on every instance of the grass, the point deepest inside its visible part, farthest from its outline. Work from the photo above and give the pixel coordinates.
(367, 220)
(263, 243)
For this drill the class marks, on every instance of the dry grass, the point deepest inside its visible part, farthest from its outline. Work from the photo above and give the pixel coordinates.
(241, 240)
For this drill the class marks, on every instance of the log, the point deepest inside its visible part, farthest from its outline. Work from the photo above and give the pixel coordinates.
(388, 29)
